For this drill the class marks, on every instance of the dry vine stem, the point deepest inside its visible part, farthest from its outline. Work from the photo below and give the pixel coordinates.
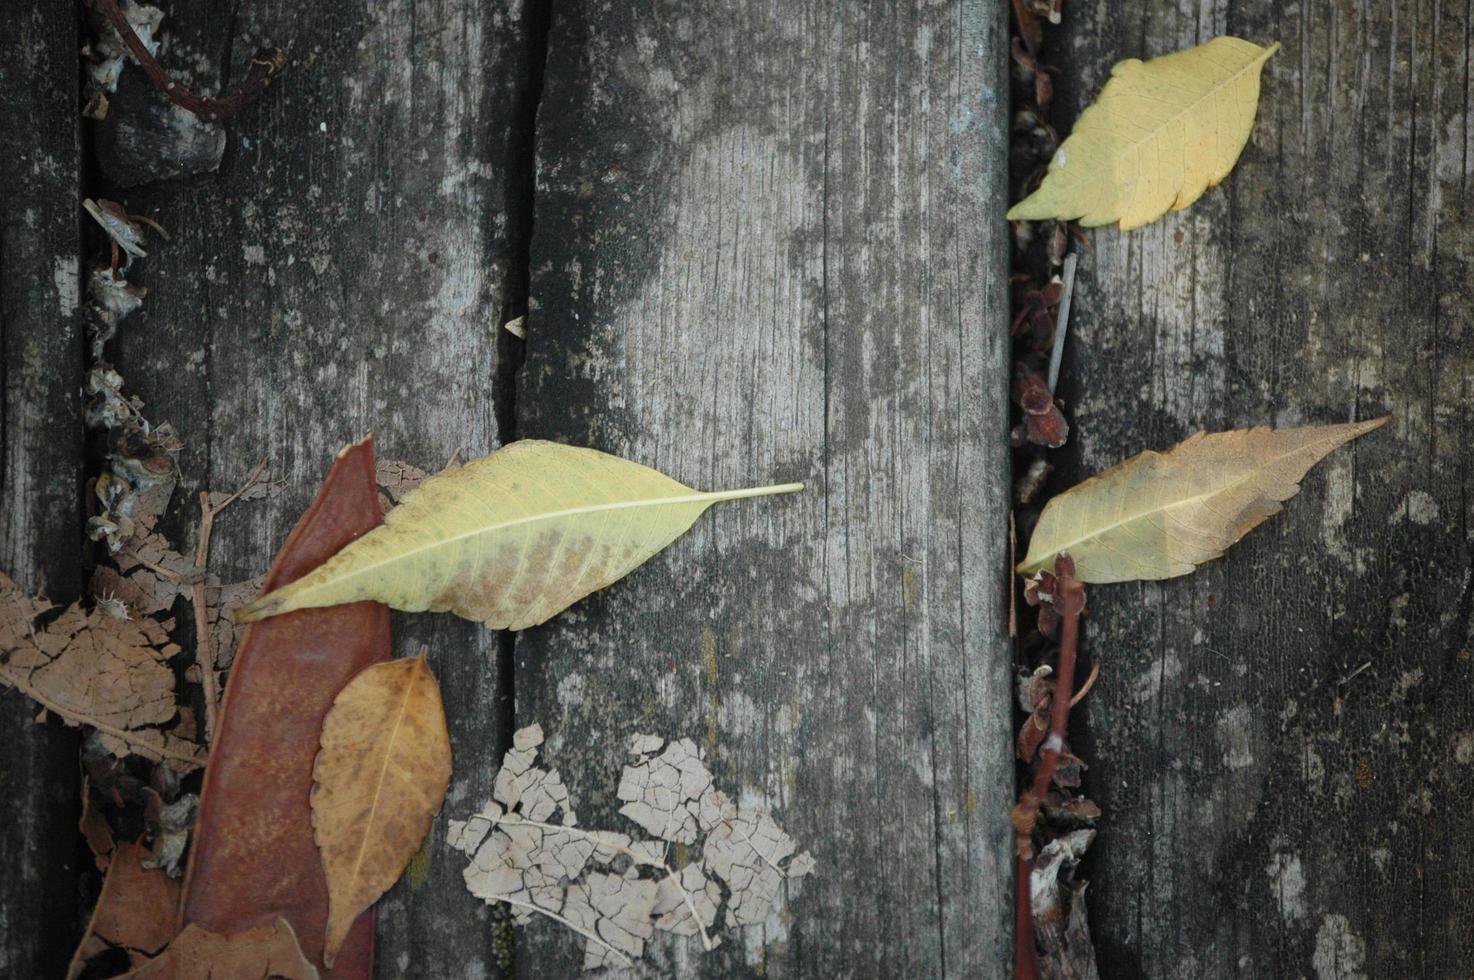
(204, 652)
(1069, 603)
(266, 64)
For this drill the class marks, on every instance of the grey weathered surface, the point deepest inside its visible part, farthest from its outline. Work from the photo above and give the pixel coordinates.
(346, 270)
(41, 465)
(768, 247)
(1283, 741)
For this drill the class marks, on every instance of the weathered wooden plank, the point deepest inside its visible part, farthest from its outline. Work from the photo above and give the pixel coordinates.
(1282, 742)
(768, 247)
(41, 463)
(346, 270)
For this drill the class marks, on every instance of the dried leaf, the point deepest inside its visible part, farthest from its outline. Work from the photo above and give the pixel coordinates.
(262, 952)
(396, 478)
(379, 781)
(93, 668)
(254, 856)
(1158, 515)
(510, 539)
(1160, 134)
(528, 851)
(135, 909)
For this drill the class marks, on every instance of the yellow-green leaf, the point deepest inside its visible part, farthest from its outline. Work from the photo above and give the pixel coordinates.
(1158, 515)
(510, 539)
(378, 781)
(1161, 133)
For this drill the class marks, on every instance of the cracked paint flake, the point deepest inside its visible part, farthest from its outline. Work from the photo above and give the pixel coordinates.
(614, 890)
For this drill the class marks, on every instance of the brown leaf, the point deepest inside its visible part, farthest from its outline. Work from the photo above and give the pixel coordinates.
(198, 954)
(379, 781)
(135, 910)
(95, 669)
(254, 856)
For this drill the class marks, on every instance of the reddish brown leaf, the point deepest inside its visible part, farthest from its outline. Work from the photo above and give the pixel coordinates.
(254, 858)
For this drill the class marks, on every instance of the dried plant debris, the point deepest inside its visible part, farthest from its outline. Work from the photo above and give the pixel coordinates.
(396, 478)
(616, 890)
(198, 954)
(1061, 926)
(97, 669)
(135, 910)
(106, 56)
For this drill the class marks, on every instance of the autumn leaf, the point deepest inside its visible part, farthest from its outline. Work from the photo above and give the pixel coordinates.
(1158, 515)
(379, 781)
(135, 910)
(198, 954)
(510, 539)
(254, 856)
(1161, 133)
(96, 668)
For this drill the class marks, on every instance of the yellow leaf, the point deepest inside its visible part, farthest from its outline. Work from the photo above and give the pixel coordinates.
(1161, 133)
(1158, 515)
(378, 782)
(510, 539)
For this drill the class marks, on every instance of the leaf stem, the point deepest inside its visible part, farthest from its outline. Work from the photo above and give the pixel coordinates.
(769, 491)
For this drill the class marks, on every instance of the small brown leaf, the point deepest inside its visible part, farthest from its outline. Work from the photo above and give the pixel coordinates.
(379, 781)
(198, 954)
(135, 910)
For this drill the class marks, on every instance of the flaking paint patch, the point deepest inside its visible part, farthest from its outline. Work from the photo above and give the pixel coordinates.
(1287, 884)
(67, 277)
(1339, 499)
(1340, 954)
(1420, 507)
(1234, 737)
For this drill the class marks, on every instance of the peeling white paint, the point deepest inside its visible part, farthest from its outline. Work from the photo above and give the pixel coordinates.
(67, 277)
(1340, 954)
(1287, 884)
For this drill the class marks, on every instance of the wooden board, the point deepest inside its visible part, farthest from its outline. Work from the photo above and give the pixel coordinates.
(768, 247)
(347, 270)
(41, 465)
(1282, 742)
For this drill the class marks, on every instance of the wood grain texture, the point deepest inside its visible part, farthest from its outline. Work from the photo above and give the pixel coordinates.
(346, 270)
(769, 247)
(1282, 741)
(41, 463)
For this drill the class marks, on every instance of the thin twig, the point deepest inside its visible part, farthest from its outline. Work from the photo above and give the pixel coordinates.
(204, 652)
(1062, 321)
(1089, 683)
(202, 647)
(266, 64)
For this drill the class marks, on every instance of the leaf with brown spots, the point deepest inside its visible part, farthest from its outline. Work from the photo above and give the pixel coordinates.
(510, 539)
(379, 781)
